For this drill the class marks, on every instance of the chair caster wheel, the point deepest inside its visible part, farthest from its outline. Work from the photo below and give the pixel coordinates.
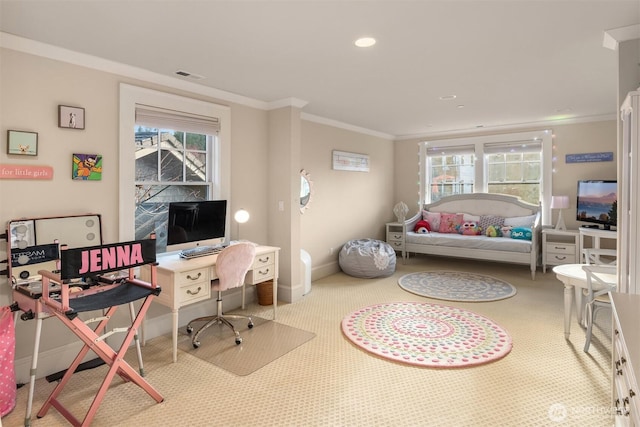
(196, 344)
(238, 341)
(189, 329)
(250, 325)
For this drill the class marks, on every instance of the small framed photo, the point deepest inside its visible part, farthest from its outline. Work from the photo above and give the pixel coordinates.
(87, 167)
(70, 117)
(22, 143)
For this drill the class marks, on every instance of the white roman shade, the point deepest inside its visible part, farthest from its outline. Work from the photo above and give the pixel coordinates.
(450, 150)
(528, 146)
(176, 120)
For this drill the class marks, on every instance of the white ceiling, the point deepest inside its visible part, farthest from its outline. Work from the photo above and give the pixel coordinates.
(509, 62)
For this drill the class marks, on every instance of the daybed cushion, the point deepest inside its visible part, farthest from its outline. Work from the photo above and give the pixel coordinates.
(367, 258)
(470, 242)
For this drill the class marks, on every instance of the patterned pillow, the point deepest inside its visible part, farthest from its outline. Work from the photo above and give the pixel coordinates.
(487, 220)
(449, 222)
(521, 233)
(470, 218)
(520, 221)
(433, 218)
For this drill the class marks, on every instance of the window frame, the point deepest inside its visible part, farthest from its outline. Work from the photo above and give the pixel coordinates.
(130, 96)
(544, 137)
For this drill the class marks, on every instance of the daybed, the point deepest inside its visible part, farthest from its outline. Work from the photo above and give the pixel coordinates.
(496, 227)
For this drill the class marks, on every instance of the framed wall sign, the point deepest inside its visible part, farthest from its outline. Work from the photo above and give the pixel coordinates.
(70, 117)
(346, 161)
(22, 143)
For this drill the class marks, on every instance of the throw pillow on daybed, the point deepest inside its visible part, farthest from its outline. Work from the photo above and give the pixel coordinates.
(469, 228)
(488, 220)
(433, 218)
(493, 231)
(422, 227)
(520, 221)
(521, 233)
(449, 222)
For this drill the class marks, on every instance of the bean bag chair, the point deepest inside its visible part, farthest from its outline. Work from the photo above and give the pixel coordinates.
(367, 258)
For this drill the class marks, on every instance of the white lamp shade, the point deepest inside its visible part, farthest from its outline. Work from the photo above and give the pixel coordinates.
(241, 216)
(559, 202)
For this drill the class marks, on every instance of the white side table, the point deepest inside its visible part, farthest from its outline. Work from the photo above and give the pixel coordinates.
(395, 236)
(559, 247)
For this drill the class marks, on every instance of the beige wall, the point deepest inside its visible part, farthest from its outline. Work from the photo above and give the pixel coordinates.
(592, 137)
(346, 205)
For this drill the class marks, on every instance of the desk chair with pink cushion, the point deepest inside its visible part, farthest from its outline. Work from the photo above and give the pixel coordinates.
(232, 266)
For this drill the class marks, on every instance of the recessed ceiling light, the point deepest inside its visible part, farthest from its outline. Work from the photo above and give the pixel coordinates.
(365, 42)
(447, 97)
(460, 106)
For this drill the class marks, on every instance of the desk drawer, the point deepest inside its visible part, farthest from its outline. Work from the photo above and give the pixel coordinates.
(264, 260)
(259, 275)
(192, 276)
(194, 292)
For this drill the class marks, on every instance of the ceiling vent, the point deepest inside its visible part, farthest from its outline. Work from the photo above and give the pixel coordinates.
(189, 75)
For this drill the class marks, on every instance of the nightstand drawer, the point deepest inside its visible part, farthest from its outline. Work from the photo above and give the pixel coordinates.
(556, 259)
(397, 245)
(561, 248)
(394, 236)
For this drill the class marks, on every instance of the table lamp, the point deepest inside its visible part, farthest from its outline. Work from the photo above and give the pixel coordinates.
(241, 216)
(560, 203)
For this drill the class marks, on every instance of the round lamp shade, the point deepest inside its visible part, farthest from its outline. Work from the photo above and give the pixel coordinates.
(241, 216)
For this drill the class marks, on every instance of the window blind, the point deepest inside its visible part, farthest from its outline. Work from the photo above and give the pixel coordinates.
(450, 150)
(176, 120)
(528, 146)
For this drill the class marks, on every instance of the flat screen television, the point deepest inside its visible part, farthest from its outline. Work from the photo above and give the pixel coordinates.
(192, 224)
(598, 202)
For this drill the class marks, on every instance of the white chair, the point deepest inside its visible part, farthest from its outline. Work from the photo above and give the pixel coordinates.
(600, 256)
(601, 279)
(232, 265)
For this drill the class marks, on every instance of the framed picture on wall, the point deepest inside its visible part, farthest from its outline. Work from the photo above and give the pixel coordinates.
(70, 117)
(87, 167)
(22, 143)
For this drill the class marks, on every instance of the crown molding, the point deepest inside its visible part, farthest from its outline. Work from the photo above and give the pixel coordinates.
(21, 44)
(345, 126)
(612, 38)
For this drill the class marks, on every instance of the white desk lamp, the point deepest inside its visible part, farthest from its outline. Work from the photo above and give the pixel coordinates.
(241, 216)
(560, 203)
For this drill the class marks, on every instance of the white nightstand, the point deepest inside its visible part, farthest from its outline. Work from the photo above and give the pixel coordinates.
(395, 236)
(560, 247)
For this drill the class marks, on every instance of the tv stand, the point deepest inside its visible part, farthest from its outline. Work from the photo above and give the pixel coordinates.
(595, 234)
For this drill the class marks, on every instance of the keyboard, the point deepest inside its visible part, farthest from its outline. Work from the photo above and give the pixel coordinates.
(200, 251)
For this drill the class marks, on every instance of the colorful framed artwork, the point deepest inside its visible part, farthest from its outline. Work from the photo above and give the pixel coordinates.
(70, 117)
(87, 167)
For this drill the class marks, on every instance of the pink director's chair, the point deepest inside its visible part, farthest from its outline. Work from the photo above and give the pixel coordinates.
(100, 292)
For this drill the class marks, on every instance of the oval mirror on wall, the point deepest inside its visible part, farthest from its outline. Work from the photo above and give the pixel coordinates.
(305, 190)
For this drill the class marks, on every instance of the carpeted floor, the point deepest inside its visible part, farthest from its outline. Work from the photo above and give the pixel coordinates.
(329, 382)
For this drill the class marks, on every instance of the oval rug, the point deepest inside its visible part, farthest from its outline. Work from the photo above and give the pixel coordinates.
(428, 335)
(456, 286)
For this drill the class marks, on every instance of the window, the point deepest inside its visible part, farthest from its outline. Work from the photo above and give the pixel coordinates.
(170, 166)
(172, 148)
(518, 164)
(450, 170)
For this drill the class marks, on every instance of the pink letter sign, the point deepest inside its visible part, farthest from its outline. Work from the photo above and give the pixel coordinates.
(8, 171)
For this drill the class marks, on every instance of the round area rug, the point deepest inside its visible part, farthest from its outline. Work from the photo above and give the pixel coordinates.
(456, 286)
(429, 335)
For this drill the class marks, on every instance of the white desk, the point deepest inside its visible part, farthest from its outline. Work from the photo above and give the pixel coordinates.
(186, 282)
(596, 234)
(574, 278)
